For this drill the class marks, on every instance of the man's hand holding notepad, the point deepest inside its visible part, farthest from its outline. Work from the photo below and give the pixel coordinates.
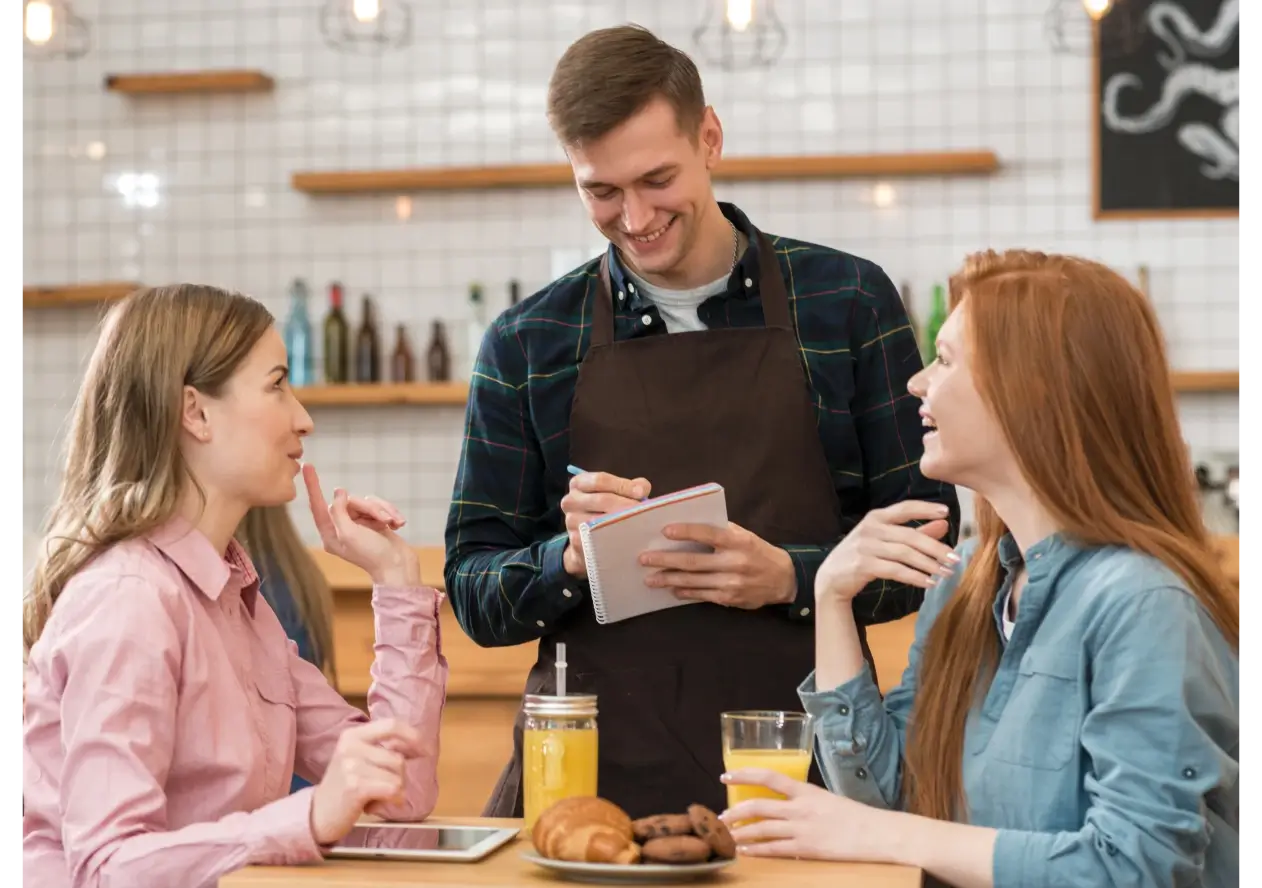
(613, 543)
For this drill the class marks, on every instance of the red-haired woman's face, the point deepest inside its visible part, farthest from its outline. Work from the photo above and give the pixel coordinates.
(963, 442)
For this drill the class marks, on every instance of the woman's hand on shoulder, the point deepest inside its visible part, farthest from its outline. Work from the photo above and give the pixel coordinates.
(362, 530)
(881, 547)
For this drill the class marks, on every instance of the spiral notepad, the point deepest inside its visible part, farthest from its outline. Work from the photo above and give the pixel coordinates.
(612, 545)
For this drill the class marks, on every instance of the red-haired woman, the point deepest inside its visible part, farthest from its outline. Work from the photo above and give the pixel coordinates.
(1070, 712)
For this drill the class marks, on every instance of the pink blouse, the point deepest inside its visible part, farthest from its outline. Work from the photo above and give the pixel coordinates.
(166, 712)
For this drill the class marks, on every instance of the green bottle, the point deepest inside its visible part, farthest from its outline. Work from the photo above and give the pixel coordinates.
(937, 317)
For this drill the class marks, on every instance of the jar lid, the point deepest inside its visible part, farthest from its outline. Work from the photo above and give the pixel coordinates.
(570, 704)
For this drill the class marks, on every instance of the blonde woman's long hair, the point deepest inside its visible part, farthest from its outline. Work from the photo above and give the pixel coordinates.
(269, 535)
(1097, 362)
(124, 473)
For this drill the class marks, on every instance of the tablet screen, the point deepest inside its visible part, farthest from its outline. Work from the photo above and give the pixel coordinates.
(416, 838)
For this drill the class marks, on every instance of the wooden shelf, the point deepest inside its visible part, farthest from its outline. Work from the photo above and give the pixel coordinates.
(177, 82)
(435, 394)
(76, 294)
(732, 169)
(1206, 380)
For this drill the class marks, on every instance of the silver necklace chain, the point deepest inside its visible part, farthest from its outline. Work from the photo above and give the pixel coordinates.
(736, 245)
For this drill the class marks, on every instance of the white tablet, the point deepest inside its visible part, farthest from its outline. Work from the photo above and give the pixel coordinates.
(421, 841)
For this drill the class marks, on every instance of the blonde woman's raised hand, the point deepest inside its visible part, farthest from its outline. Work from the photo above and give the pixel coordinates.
(362, 530)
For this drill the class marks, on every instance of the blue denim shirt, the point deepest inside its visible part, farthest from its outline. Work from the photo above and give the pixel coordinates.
(1106, 749)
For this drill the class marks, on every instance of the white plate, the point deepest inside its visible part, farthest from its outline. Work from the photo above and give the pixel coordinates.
(628, 873)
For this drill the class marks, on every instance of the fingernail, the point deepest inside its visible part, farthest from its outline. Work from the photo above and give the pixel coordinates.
(952, 557)
(637, 492)
(669, 532)
(725, 777)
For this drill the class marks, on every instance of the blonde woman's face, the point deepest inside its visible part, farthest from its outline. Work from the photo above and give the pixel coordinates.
(247, 444)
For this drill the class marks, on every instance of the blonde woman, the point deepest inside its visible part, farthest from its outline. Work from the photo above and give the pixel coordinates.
(1071, 711)
(166, 710)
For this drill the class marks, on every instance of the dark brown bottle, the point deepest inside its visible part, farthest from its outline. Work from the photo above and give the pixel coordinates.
(438, 355)
(367, 347)
(402, 364)
(514, 292)
(336, 339)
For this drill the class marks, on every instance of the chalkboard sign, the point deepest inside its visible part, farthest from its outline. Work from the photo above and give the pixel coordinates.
(1167, 109)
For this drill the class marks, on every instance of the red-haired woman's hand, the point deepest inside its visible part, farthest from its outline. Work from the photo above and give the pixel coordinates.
(882, 548)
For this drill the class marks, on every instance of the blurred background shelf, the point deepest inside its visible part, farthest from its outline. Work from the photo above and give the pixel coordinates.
(76, 294)
(438, 394)
(732, 169)
(1206, 380)
(178, 82)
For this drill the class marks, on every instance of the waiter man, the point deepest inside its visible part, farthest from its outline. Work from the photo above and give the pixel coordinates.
(697, 348)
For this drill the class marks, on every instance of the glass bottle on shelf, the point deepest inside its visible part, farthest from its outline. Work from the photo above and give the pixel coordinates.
(476, 326)
(336, 340)
(438, 355)
(937, 317)
(298, 336)
(367, 346)
(402, 363)
(514, 292)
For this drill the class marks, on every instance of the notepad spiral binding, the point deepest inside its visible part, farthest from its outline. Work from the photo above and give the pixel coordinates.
(593, 572)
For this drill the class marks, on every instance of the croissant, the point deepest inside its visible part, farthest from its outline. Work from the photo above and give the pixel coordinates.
(585, 829)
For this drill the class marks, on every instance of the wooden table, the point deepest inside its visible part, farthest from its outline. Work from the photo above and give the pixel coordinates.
(505, 867)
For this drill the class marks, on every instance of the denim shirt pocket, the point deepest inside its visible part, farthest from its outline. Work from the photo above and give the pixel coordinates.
(1042, 720)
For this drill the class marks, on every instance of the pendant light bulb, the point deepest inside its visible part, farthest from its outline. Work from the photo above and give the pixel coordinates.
(1097, 9)
(740, 13)
(365, 11)
(39, 22)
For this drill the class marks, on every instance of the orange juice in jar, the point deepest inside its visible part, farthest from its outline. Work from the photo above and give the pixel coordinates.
(775, 741)
(559, 751)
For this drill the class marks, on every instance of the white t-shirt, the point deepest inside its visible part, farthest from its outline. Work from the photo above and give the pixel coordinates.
(1008, 622)
(678, 307)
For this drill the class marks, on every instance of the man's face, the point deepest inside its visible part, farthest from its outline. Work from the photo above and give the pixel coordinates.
(646, 184)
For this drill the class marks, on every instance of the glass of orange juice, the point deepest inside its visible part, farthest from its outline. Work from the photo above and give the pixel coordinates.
(559, 751)
(777, 741)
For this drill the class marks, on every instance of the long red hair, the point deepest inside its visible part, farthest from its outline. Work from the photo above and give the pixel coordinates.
(1070, 359)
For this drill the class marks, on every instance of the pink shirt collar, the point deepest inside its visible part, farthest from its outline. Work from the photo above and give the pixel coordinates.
(206, 569)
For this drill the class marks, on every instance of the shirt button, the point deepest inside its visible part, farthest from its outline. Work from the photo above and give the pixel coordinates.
(806, 612)
(1189, 773)
(647, 319)
(539, 623)
(621, 296)
(749, 282)
(567, 593)
(843, 709)
(861, 774)
(630, 288)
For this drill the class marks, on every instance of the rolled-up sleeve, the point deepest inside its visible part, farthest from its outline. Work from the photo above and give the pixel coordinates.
(1161, 737)
(409, 683)
(860, 737)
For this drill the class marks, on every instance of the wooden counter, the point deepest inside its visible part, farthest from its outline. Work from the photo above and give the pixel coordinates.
(506, 867)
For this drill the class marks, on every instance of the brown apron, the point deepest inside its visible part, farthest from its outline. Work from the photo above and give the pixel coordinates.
(726, 405)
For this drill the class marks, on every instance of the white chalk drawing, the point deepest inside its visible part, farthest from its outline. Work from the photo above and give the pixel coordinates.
(1218, 146)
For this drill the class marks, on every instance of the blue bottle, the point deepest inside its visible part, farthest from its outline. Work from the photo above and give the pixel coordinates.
(298, 336)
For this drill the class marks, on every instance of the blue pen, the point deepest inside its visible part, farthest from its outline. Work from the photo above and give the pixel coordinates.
(575, 470)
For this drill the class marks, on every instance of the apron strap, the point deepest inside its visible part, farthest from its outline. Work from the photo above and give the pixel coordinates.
(775, 299)
(602, 313)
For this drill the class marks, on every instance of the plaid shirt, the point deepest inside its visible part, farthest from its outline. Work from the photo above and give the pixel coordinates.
(506, 532)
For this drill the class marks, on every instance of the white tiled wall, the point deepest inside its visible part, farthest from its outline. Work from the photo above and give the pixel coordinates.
(857, 76)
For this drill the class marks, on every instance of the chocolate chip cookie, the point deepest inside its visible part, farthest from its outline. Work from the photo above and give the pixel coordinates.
(707, 825)
(661, 825)
(676, 849)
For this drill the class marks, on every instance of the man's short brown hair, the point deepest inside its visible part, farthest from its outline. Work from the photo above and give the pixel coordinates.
(609, 75)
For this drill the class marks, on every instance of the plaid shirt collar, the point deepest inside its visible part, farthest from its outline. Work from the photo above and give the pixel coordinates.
(746, 269)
